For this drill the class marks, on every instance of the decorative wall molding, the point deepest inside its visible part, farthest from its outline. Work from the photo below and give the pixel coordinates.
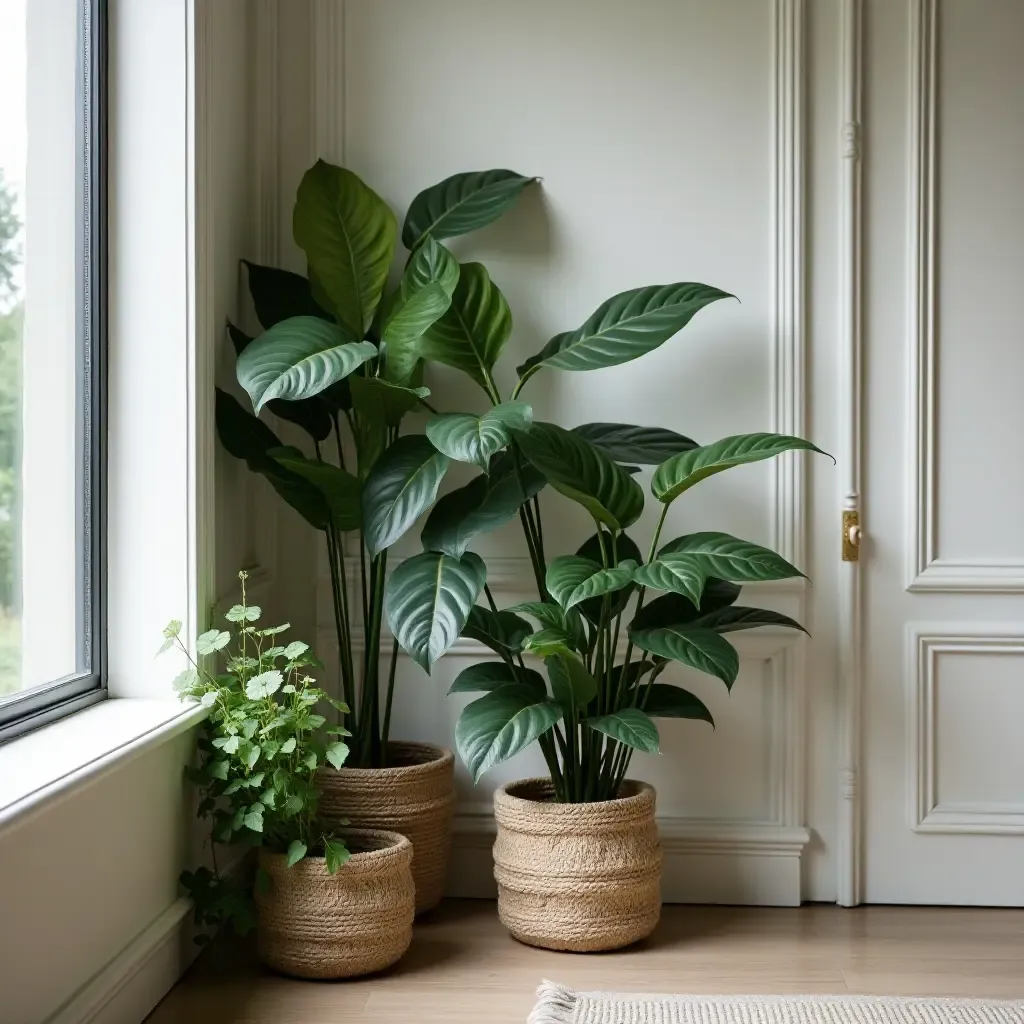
(849, 840)
(926, 642)
(926, 570)
(788, 272)
(327, 82)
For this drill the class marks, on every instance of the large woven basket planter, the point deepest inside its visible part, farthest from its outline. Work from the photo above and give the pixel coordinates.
(414, 796)
(359, 920)
(580, 877)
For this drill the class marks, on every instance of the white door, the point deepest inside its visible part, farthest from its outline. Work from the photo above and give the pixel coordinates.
(943, 559)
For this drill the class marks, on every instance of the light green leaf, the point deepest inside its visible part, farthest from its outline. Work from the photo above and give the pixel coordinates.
(296, 851)
(208, 699)
(212, 641)
(472, 333)
(549, 641)
(299, 358)
(700, 648)
(630, 726)
(263, 685)
(730, 558)
(625, 442)
(486, 503)
(295, 650)
(252, 755)
(288, 746)
(468, 438)
(348, 234)
(401, 486)
(172, 629)
(682, 471)
(253, 818)
(341, 491)
(428, 599)
(583, 473)
(572, 685)
(460, 204)
(500, 724)
(625, 327)
(489, 675)
(336, 854)
(184, 681)
(336, 753)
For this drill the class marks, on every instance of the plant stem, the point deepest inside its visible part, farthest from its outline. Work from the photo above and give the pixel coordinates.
(490, 599)
(386, 728)
(341, 630)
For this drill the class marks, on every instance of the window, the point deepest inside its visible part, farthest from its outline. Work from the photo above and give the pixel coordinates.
(52, 330)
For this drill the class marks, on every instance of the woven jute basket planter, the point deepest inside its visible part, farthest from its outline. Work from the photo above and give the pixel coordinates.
(359, 920)
(580, 877)
(414, 796)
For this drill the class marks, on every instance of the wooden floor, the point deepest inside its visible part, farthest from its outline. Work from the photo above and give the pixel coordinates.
(463, 966)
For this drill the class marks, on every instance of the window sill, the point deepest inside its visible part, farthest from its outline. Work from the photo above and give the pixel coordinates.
(47, 765)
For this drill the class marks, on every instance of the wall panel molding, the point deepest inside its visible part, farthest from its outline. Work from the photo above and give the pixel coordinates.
(926, 642)
(926, 570)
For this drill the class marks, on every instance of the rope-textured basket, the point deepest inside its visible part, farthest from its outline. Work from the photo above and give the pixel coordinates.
(416, 797)
(316, 925)
(581, 877)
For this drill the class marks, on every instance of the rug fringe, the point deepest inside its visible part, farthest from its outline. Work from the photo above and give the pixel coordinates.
(555, 1005)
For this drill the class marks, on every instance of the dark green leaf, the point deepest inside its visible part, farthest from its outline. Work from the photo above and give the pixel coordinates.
(472, 333)
(500, 724)
(336, 753)
(484, 504)
(583, 473)
(335, 854)
(624, 442)
(428, 600)
(674, 609)
(666, 701)
(572, 685)
(629, 726)
(465, 437)
(348, 234)
(298, 358)
(296, 851)
(727, 620)
(682, 471)
(279, 295)
(460, 204)
(625, 327)
(401, 486)
(242, 434)
(379, 404)
(489, 675)
(545, 612)
(625, 549)
(700, 648)
(679, 574)
(634, 672)
(565, 574)
(341, 490)
(502, 632)
(729, 558)
(549, 641)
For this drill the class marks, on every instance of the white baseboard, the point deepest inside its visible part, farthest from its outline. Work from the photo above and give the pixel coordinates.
(705, 861)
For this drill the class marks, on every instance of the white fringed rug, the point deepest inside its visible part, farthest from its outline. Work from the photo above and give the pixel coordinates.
(559, 1005)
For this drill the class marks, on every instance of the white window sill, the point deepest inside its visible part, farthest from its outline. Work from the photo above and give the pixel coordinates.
(48, 764)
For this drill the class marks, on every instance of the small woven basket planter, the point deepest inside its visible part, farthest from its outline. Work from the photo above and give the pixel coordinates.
(415, 796)
(580, 877)
(359, 920)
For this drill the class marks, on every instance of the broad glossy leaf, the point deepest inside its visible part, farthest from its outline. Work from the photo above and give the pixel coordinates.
(727, 620)
(624, 549)
(572, 685)
(674, 609)
(682, 471)
(700, 648)
(630, 726)
(550, 640)
(604, 581)
(680, 574)
(348, 234)
(423, 296)
(341, 490)
(666, 701)
(428, 599)
(625, 327)
(460, 204)
(279, 295)
(500, 724)
(401, 486)
(484, 504)
(551, 616)
(503, 632)
(583, 473)
(297, 359)
(730, 558)
(634, 672)
(472, 333)
(466, 437)
(625, 442)
(381, 401)
(567, 572)
(489, 675)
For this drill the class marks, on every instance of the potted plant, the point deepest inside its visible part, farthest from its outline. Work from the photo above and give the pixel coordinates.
(339, 357)
(577, 858)
(331, 903)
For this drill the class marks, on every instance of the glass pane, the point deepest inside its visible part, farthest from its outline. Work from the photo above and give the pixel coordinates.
(41, 305)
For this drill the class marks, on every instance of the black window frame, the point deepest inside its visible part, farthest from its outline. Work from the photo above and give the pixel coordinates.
(29, 709)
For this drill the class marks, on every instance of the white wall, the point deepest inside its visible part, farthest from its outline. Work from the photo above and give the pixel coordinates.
(677, 141)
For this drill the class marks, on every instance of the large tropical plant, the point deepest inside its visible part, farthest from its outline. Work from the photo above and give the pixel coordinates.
(604, 645)
(340, 355)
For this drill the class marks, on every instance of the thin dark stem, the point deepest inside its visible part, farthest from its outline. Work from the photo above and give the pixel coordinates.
(490, 599)
(337, 437)
(386, 728)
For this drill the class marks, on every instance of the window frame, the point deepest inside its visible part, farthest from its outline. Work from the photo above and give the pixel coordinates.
(32, 708)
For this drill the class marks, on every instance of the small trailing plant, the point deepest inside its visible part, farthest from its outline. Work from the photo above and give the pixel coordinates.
(259, 750)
